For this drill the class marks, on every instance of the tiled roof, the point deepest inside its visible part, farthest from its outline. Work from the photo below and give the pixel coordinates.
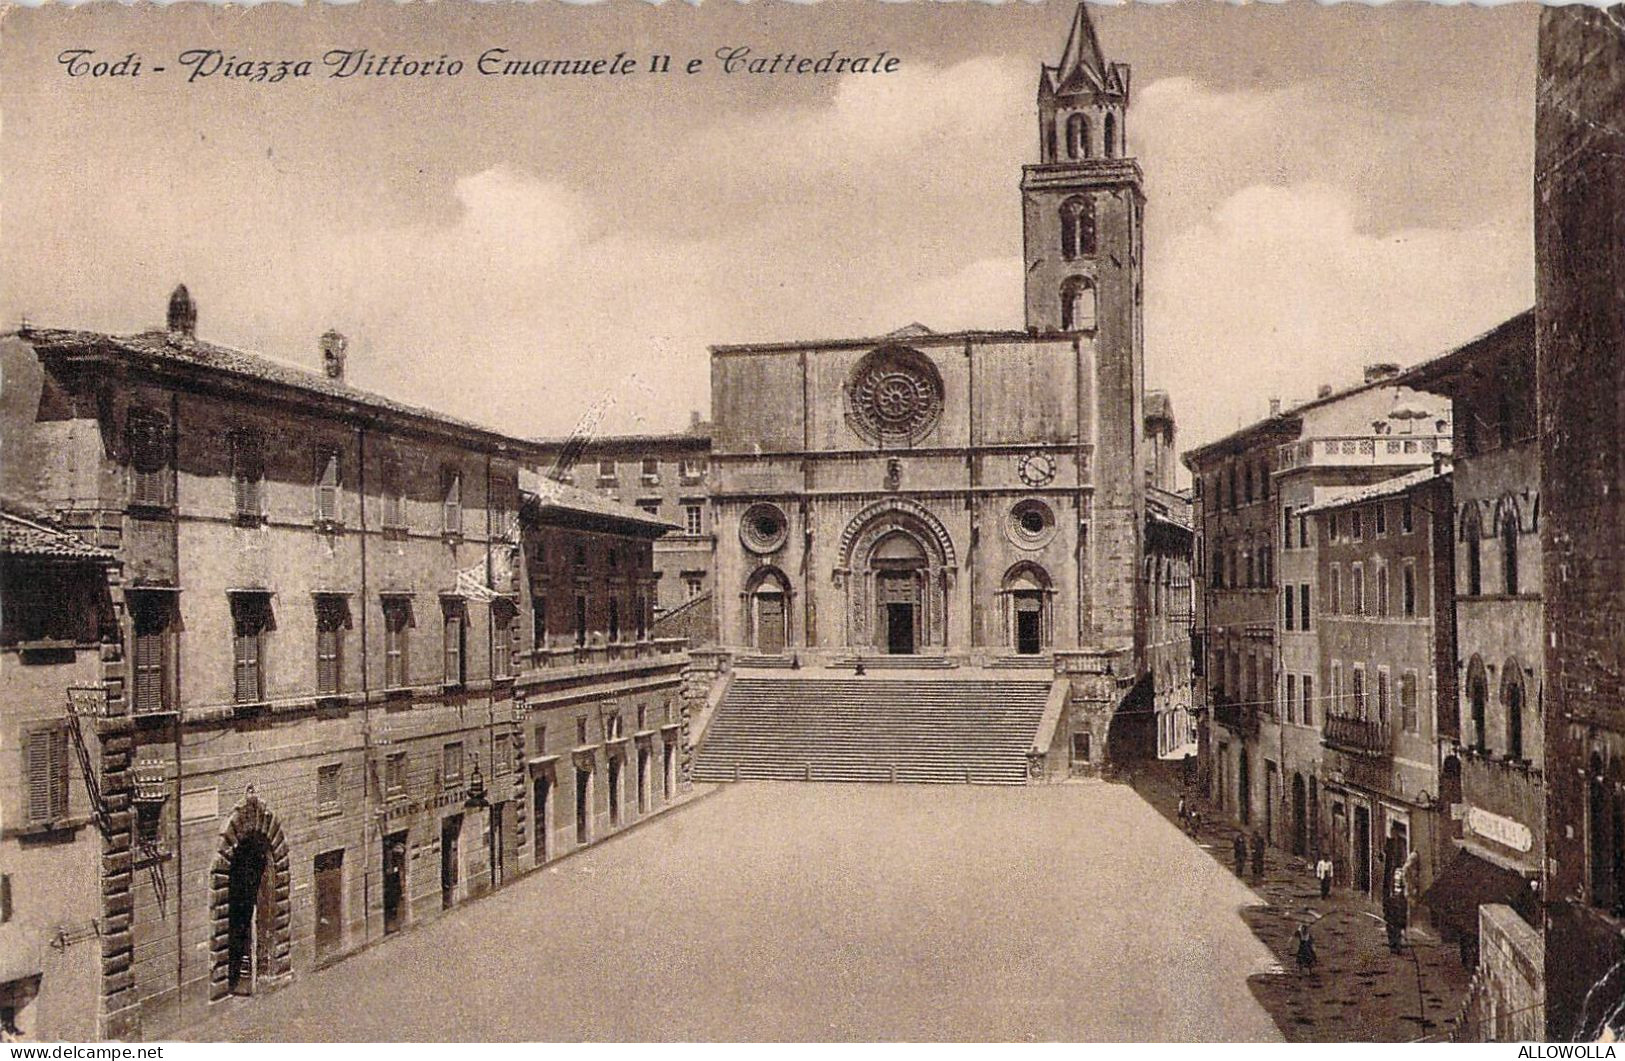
(20, 536)
(562, 497)
(164, 348)
(1385, 488)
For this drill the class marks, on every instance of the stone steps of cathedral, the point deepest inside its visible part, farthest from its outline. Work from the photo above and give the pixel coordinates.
(901, 662)
(873, 729)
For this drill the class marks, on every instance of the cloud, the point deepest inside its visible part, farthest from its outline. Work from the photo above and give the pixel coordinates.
(1281, 290)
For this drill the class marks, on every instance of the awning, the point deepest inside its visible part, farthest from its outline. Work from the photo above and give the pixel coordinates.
(1469, 882)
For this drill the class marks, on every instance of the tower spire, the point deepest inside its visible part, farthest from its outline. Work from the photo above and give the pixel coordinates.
(1082, 57)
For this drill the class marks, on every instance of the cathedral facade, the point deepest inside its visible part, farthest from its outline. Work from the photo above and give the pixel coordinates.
(977, 496)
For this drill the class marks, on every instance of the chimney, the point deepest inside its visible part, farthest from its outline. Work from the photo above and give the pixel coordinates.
(693, 418)
(1325, 391)
(182, 312)
(333, 346)
(1275, 407)
(1380, 370)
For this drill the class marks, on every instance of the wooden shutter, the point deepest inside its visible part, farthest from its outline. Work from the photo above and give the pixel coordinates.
(149, 671)
(329, 622)
(46, 754)
(38, 752)
(246, 474)
(247, 652)
(452, 515)
(502, 641)
(394, 644)
(454, 647)
(327, 786)
(327, 485)
(149, 459)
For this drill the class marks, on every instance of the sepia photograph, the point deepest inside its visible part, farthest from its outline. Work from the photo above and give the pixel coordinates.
(932, 522)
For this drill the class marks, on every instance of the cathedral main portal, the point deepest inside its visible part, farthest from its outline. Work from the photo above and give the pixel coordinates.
(897, 572)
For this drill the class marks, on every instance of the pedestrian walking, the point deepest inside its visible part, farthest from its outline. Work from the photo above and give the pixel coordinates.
(1240, 849)
(1194, 822)
(1181, 811)
(1323, 873)
(1258, 855)
(1393, 912)
(1304, 948)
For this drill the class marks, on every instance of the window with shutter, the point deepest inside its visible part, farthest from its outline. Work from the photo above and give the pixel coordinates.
(149, 458)
(397, 618)
(247, 475)
(151, 651)
(394, 493)
(331, 619)
(251, 621)
(452, 507)
(395, 774)
(502, 641)
(46, 751)
(327, 485)
(454, 643)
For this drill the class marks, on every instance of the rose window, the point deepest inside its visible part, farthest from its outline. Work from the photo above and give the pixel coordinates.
(894, 396)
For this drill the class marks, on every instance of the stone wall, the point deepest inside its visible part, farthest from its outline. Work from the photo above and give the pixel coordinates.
(1505, 1002)
(1580, 349)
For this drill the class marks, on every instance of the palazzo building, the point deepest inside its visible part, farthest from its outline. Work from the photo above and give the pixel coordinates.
(325, 665)
(977, 497)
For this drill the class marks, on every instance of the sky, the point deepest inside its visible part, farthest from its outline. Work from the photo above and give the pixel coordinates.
(1327, 187)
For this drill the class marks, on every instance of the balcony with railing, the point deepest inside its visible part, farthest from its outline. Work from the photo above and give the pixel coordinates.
(1357, 734)
(1361, 451)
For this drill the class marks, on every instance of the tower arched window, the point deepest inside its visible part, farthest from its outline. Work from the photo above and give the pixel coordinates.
(1470, 542)
(1509, 552)
(1049, 139)
(1110, 129)
(1512, 702)
(1077, 136)
(1077, 304)
(1477, 700)
(1078, 227)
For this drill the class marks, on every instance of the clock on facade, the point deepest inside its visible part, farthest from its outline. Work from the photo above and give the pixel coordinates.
(1037, 469)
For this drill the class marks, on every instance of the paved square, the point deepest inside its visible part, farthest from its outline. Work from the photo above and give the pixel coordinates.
(812, 912)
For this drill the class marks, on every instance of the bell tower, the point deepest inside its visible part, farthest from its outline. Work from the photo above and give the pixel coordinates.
(1082, 212)
(1082, 202)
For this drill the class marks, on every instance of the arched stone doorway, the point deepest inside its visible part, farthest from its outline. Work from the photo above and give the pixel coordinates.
(1027, 593)
(897, 565)
(767, 610)
(250, 909)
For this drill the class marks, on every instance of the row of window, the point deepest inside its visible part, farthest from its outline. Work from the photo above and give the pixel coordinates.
(1348, 596)
(1353, 701)
(1080, 139)
(689, 470)
(151, 464)
(154, 647)
(1243, 567)
(1514, 701)
(1235, 485)
(1369, 520)
(1471, 540)
(693, 513)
